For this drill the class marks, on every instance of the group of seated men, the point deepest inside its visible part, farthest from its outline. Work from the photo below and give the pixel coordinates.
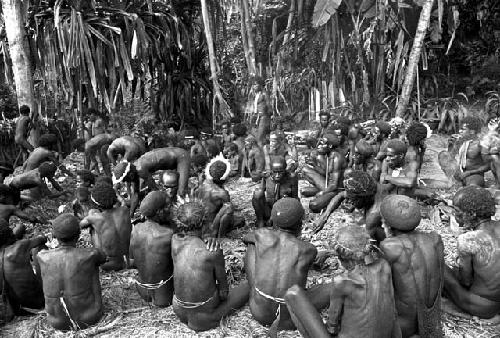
(393, 274)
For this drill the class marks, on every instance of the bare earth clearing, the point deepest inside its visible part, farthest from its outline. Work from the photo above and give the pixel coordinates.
(126, 314)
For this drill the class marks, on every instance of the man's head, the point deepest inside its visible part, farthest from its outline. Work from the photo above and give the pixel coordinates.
(363, 151)
(416, 134)
(328, 143)
(258, 83)
(470, 126)
(381, 130)
(156, 206)
(354, 247)
(190, 215)
(93, 114)
(278, 168)
(85, 178)
(122, 171)
(396, 152)
(212, 150)
(66, 228)
(360, 189)
(82, 194)
(6, 235)
(103, 195)
(287, 214)
(78, 144)
(275, 140)
(340, 129)
(170, 180)
(472, 205)
(324, 119)
(24, 110)
(225, 127)
(104, 180)
(199, 162)
(240, 130)
(400, 212)
(47, 141)
(218, 169)
(47, 169)
(250, 141)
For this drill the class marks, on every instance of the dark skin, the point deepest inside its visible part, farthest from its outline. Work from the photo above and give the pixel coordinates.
(132, 184)
(7, 211)
(21, 136)
(364, 162)
(26, 286)
(200, 275)
(150, 247)
(476, 165)
(277, 147)
(355, 309)
(93, 149)
(38, 156)
(73, 272)
(165, 159)
(267, 248)
(405, 181)
(219, 209)
(490, 150)
(324, 122)
(415, 258)
(33, 181)
(265, 196)
(255, 160)
(110, 232)
(127, 147)
(474, 286)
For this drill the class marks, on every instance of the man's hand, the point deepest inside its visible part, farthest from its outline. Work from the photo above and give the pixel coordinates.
(212, 244)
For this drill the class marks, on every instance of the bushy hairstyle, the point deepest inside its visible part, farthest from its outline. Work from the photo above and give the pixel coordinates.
(240, 130)
(476, 200)
(47, 169)
(86, 175)
(473, 122)
(324, 113)
(47, 140)
(416, 133)
(104, 195)
(384, 127)
(207, 130)
(360, 183)
(344, 120)
(199, 160)
(217, 170)
(398, 145)
(212, 150)
(344, 128)
(233, 147)
(190, 215)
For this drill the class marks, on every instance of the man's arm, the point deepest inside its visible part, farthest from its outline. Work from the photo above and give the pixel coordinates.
(21, 214)
(335, 173)
(467, 246)
(409, 181)
(391, 249)
(37, 241)
(332, 206)
(220, 275)
(337, 299)
(55, 184)
(90, 219)
(482, 169)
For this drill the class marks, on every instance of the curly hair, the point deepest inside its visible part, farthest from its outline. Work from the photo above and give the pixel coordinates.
(104, 180)
(86, 175)
(384, 127)
(473, 122)
(190, 215)
(199, 160)
(240, 130)
(416, 133)
(344, 128)
(47, 140)
(103, 195)
(398, 145)
(475, 200)
(154, 202)
(47, 169)
(6, 235)
(352, 243)
(217, 170)
(360, 183)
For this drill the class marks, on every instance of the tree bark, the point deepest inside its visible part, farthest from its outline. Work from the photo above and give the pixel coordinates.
(19, 52)
(250, 44)
(411, 70)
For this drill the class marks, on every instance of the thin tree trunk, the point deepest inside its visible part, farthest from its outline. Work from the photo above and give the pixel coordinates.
(19, 52)
(246, 17)
(423, 24)
(223, 106)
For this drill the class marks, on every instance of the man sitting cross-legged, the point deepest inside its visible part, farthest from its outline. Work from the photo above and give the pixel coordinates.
(361, 299)
(279, 184)
(110, 227)
(71, 278)
(475, 286)
(399, 172)
(277, 259)
(417, 263)
(150, 246)
(202, 296)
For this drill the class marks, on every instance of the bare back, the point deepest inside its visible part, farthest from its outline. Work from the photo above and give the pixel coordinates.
(37, 157)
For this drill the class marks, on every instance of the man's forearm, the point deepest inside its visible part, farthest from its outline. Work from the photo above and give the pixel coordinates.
(404, 182)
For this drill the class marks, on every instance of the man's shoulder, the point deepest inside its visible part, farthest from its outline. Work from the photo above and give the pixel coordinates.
(470, 241)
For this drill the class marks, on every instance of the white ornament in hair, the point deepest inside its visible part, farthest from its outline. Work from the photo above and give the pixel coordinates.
(221, 158)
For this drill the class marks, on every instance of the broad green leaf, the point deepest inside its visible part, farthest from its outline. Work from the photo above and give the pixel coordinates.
(323, 10)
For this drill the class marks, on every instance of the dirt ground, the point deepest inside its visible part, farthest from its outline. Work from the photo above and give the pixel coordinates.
(126, 314)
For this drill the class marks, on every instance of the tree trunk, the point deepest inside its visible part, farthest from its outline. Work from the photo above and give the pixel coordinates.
(411, 70)
(224, 109)
(19, 52)
(246, 23)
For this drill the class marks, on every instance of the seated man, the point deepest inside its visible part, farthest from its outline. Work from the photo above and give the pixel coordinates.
(34, 180)
(93, 151)
(110, 227)
(277, 259)
(317, 134)
(126, 173)
(475, 286)
(202, 296)
(490, 147)
(378, 137)
(341, 129)
(253, 161)
(278, 185)
(43, 153)
(417, 263)
(471, 163)
(325, 170)
(232, 153)
(219, 217)
(361, 299)
(362, 193)
(278, 147)
(22, 288)
(397, 171)
(5, 170)
(205, 142)
(363, 159)
(165, 159)
(71, 278)
(416, 134)
(226, 133)
(127, 146)
(150, 246)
